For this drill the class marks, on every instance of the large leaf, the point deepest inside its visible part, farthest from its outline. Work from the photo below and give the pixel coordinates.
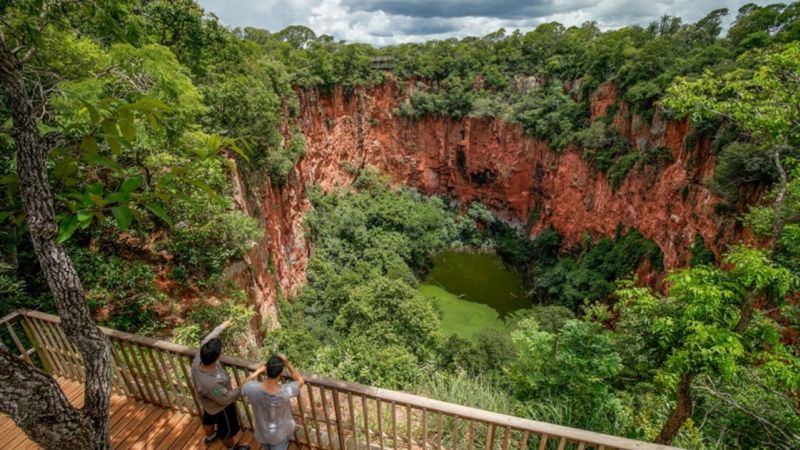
(130, 184)
(238, 150)
(110, 128)
(102, 161)
(89, 145)
(117, 197)
(114, 144)
(123, 215)
(67, 227)
(214, 143)
(126, 124)
(159, 212)
(93, 112)
(9, 179)
(85, 219)
(205, 188)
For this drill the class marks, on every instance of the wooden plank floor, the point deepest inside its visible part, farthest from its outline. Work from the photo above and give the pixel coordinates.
(134, 425)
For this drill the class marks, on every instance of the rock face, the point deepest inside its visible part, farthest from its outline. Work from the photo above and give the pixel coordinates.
(486, 160)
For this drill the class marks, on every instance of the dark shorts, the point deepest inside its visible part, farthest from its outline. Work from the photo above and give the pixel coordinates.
(227, 421)
(282, 446)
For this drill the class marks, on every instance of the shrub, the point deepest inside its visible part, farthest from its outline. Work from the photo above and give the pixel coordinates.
(551, 318)
(202, 250)
(578, 367)
(590, 277)
(204, 317)
(487, 353)
(700, 253)
(740, 168)
(550, 115)
(120, 292)
(619, 170)
(280, 163)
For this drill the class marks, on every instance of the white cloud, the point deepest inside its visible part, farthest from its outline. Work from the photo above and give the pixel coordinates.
(384, 22)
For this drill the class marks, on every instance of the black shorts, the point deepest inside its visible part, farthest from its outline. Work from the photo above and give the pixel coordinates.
(227, 421)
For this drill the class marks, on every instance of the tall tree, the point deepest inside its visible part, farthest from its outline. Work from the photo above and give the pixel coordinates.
(761, 98)
(696, 329)
(93, 125)
(29, 396)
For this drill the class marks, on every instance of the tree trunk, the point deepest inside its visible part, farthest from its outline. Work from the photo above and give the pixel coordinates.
(34, 401)
(682, 411)
(777, 226)
(746, 313)
(37, 202)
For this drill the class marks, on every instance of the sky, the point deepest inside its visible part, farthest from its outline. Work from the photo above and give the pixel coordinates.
(385, 22)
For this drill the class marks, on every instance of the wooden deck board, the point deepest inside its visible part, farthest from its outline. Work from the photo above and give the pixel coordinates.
(134, 425)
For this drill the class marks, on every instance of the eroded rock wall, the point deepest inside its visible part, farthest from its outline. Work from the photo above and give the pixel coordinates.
(490, 161)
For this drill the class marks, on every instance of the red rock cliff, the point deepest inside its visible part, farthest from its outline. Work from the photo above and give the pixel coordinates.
(490, 161)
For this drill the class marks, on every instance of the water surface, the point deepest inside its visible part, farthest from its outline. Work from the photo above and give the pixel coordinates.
(473, 290)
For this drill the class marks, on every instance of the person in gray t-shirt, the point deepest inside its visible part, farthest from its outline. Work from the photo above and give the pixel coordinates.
(272, 405)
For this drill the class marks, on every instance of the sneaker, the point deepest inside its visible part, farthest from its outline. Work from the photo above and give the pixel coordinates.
(208, 440)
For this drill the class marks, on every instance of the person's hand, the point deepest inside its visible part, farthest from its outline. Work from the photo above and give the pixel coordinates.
(227, 323)
(283, 357)
(260, 370)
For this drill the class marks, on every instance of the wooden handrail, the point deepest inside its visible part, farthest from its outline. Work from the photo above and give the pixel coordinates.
(330, 413)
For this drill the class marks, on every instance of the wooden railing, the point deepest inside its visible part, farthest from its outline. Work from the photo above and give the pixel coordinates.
(330, 414)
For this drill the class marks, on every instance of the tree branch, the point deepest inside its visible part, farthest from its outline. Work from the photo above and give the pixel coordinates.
(35, 402)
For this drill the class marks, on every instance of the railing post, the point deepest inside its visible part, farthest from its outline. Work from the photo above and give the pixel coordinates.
(158, 372)
(47, 365)
(338, 413)
(23, 352)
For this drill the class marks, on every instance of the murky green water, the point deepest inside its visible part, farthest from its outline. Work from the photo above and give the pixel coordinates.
(474, 290)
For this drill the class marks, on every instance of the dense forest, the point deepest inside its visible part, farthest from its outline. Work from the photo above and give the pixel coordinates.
(145, 109)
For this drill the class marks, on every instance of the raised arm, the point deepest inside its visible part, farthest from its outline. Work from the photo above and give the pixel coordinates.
(254, 376)
(216, 332)
(292, 371)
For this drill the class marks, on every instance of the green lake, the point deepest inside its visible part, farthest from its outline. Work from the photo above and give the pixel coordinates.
(473, 290)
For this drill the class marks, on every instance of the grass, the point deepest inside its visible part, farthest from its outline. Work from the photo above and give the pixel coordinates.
(461, 317)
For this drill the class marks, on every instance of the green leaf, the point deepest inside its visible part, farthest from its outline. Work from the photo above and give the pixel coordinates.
(214, 143)
(150, 104)
(235, 148)
(66, 228)
(130, 185)
(123, 216)
(93, 112)
(114, 144)
(110, 128)
(128, 129)
(95, 188)
(205, 188)
(89, 145)
(97, 200)
(152, 121)
(117, 197)
(102, 161)
(9, 179)
(85, 219)
(159, 212)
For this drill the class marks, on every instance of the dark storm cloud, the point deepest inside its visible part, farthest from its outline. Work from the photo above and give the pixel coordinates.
(502, 9)
(383, 22)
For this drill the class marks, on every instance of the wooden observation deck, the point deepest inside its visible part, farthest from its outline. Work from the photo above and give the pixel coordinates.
(153, 404)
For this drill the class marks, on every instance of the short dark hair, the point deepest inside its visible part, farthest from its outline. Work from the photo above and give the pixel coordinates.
(210, 351)
(274, 366)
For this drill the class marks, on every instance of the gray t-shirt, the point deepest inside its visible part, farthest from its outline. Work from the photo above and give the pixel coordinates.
(213, 386)
(273, 412)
